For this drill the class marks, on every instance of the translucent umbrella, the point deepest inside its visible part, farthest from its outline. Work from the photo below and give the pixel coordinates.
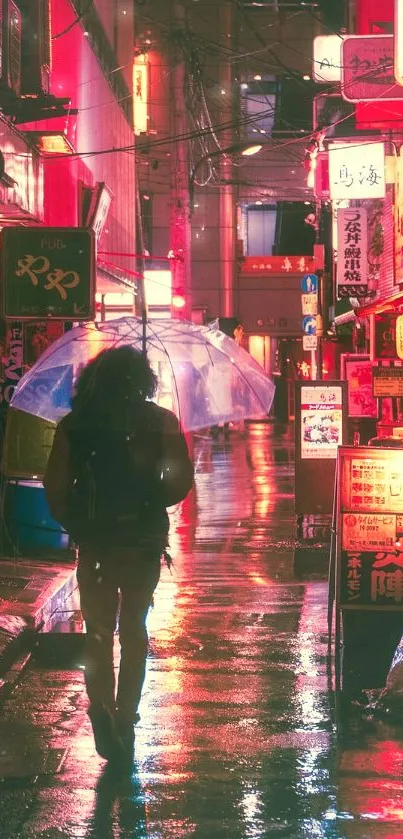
(204, 376)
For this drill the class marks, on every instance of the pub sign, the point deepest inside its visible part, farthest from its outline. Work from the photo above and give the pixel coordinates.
(48, 272)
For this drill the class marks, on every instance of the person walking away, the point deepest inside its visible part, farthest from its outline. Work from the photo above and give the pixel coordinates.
(117, 462)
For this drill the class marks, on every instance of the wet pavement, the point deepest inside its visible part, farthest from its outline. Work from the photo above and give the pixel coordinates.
(241, 734)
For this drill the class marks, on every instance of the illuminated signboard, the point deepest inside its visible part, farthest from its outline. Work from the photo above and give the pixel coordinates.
(327, 58)
(369, 553)
(387, 381)
(356, 170)
(398, 220)
(321, 421)
(140, 94)
(48, 272)
(367, 69)
(398, 39)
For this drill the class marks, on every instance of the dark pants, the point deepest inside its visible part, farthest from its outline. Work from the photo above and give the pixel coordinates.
(127, 578)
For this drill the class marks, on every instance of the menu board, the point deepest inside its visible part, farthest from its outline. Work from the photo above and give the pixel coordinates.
(369, 552)
(320, 427)
(321, 420)
(387, 381)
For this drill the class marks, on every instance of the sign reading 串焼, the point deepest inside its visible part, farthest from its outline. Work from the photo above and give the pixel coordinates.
(352, 261)
(369, 553)
(367, 72)
(356, 170)
(327, 58)
(321, 421)
(48, 272)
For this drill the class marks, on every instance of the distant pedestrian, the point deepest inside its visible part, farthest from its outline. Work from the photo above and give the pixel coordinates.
(117, 461)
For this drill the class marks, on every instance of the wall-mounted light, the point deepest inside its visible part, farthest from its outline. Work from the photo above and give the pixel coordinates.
(51, 142)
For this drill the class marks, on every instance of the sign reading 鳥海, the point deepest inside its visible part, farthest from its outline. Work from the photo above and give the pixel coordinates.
(356, 170)
(352, 260)
(48, 272)
(370, 529)
(367, 69)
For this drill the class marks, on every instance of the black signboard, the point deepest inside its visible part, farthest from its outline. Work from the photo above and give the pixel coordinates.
(369, 556)
(387, 381)
(48, 272)
(320, 428)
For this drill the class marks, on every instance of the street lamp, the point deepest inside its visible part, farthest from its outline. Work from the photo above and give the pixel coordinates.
(245, 149)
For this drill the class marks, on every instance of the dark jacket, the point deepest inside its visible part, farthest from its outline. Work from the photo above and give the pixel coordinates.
(161, 458)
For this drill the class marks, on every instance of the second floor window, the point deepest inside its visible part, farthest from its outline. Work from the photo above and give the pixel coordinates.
(258, 106)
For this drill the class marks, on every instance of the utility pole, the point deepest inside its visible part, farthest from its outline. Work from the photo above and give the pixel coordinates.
(226, 190)
(180, 237)
(319, 311)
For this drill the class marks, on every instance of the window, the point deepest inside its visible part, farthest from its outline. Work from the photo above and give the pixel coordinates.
(258, 106)
(260, 229)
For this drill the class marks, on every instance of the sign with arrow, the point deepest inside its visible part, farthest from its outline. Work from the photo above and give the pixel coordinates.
(48, 272)
(309, 325)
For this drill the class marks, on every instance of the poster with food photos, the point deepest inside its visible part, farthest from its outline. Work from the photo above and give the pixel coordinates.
(321, 421)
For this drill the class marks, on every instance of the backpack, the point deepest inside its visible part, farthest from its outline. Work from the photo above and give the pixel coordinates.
(117, 498)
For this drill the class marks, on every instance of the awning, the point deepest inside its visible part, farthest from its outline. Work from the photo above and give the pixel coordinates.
(378, 307)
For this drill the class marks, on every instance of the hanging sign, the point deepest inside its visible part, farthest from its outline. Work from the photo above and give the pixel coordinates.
(327, 58)
(356, 170)
(140, 94)
(367, 72)
(352, 261)
(48, 272)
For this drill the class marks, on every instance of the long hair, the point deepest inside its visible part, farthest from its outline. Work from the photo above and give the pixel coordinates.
(111, 386)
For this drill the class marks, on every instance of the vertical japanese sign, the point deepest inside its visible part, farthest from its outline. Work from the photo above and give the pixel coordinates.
(140, 94)
(398, 220)
(352, 261)
(12, 361)
(356, 170)
(370, 529)
(48, 272)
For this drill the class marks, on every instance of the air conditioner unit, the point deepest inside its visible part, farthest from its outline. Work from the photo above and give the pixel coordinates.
(10, 45)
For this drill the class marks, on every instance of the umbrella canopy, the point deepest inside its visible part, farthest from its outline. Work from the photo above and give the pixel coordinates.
(203, 375)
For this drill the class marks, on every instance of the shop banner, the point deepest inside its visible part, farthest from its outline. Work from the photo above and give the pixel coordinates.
(352, 260)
